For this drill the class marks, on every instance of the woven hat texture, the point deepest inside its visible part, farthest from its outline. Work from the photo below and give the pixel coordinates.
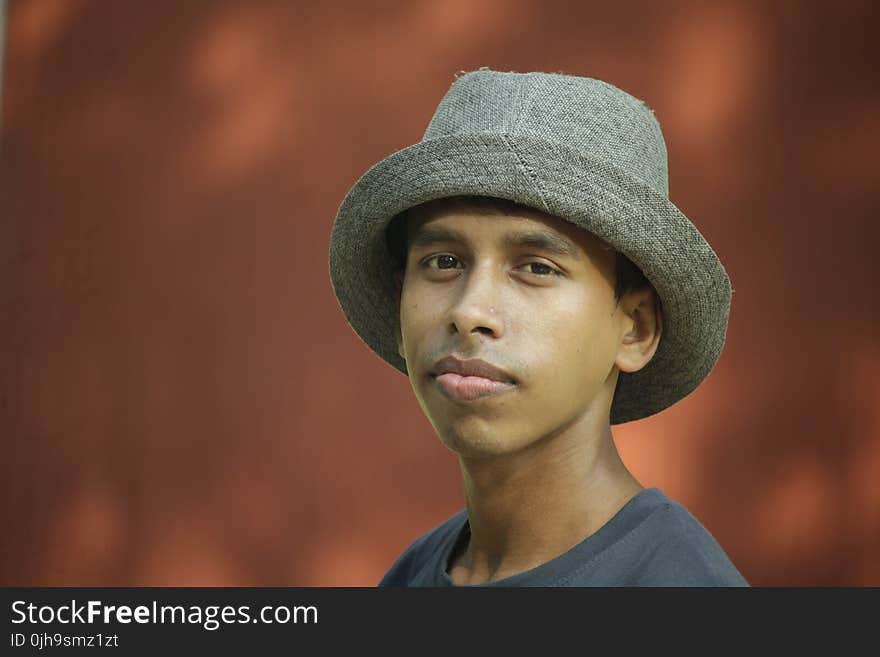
(574, 147)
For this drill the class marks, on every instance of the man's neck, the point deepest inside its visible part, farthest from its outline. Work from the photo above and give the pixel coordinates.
(527, 508)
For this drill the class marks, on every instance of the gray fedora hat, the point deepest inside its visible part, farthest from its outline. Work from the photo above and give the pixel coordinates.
(574, 147)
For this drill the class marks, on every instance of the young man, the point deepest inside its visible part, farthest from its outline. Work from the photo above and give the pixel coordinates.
(523, 265)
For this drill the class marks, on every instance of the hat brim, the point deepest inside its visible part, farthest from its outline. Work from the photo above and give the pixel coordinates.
(637, 220)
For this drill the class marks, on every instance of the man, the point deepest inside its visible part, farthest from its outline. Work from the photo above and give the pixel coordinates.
(523, 265)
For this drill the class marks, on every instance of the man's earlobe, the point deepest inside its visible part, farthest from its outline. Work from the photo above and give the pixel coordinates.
(644, 322)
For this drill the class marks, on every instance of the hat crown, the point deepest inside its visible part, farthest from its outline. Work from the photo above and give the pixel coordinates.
(592, 116)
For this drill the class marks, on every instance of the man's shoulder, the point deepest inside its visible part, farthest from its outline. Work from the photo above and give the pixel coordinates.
(654, 541)
(682, 552)
(422, 550)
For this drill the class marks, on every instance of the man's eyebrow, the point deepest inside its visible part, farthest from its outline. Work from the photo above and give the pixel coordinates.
(545, 241)
(426, 235)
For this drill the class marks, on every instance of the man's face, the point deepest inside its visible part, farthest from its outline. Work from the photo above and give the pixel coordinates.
(490, 286)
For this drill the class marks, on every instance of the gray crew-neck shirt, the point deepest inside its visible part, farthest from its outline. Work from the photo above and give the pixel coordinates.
(652, 541)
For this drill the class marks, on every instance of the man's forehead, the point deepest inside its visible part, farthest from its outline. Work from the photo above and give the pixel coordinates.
(470, 205)
(457, 219)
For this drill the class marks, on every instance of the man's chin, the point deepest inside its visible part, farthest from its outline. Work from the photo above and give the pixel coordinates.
(474, 441)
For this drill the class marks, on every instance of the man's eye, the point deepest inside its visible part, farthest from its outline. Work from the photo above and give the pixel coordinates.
(446, 261)
(443, 261)
(541, 269)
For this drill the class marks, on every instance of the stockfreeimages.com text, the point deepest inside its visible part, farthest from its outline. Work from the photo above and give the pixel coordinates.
(211, 617)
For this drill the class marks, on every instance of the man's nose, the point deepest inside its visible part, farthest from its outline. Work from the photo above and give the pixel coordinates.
(476, 310)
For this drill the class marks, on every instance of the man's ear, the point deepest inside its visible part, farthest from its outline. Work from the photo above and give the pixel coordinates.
(398, 289)
(642, 326)
(399, 340)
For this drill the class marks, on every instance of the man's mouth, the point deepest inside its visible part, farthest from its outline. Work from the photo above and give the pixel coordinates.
(474, 367)
(470, 388)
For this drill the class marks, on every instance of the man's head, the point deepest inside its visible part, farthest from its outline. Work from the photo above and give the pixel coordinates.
(552, 305)
(590, 154)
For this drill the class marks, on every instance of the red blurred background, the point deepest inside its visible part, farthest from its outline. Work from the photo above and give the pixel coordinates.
(181, 399)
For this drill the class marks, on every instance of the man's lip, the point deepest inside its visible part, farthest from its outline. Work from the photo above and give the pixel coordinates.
(470, 388)
(474, 367)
